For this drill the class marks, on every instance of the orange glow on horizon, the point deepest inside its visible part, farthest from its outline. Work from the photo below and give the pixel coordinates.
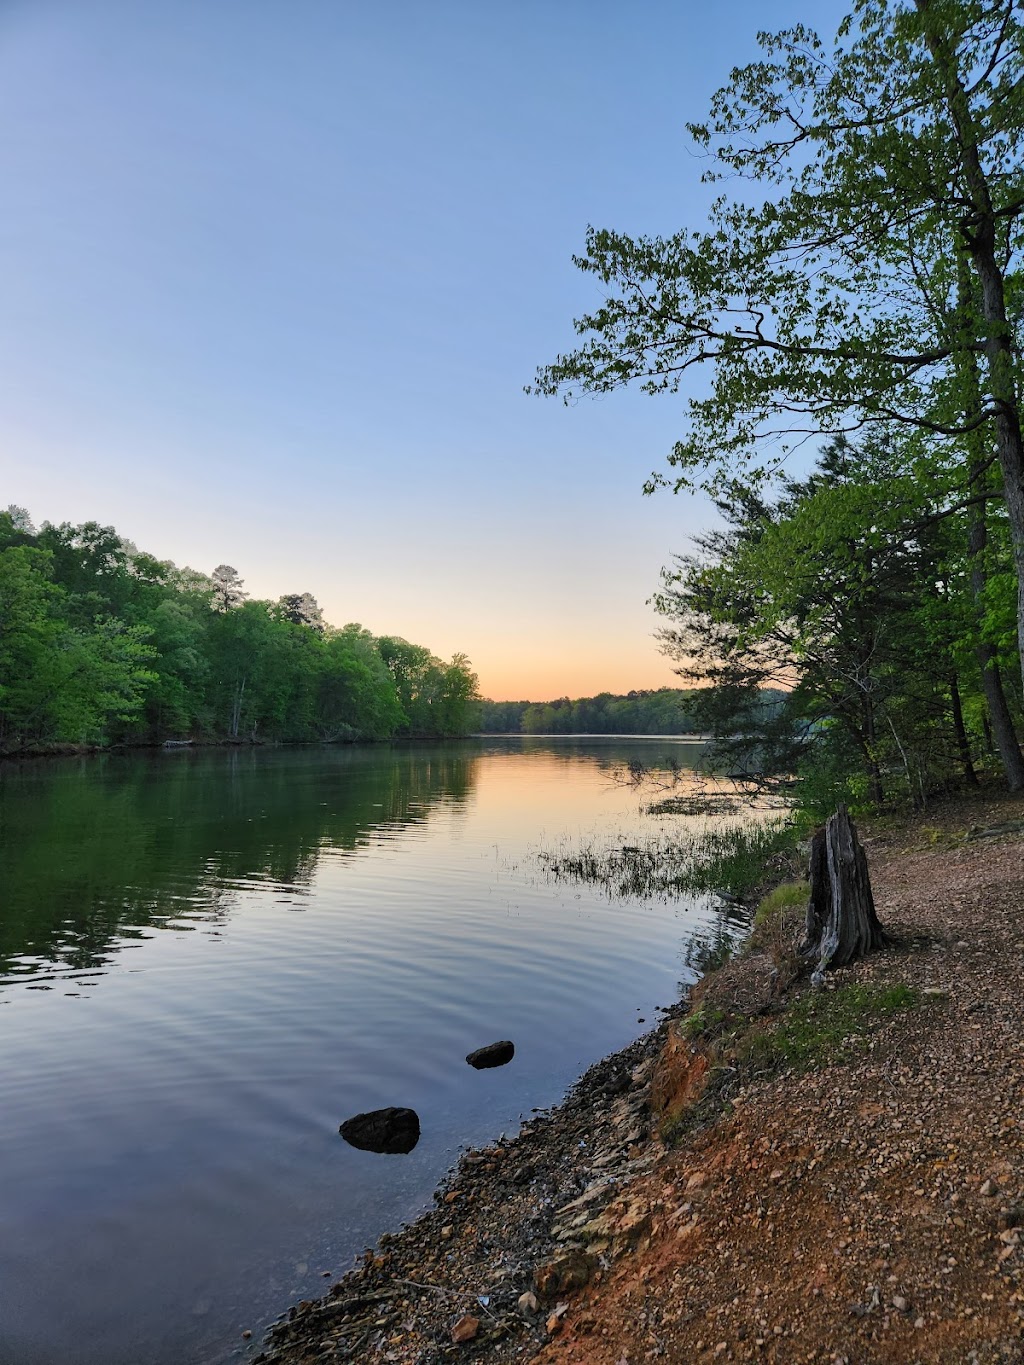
(540, 682)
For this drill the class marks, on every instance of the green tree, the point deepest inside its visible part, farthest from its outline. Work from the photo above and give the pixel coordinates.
(356, 696)
(859, 609)
(438, 698)
(30, 628)
(832, 303)
(60, 680)
(102, 643)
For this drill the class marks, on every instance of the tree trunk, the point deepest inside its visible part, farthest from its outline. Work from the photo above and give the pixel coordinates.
(236, 709)
(960, 730)
(991, 682)
(986, 728)
(998, 724)
(979, 235)
(841, 921)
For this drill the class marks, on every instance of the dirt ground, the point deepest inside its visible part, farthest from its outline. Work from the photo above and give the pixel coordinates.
(866, 1210)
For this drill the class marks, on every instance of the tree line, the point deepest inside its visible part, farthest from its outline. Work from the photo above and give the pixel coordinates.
(101, 643)
(864, 301)
(664, 711)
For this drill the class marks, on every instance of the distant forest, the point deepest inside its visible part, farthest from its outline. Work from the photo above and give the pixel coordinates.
(101, 643)
(667, 711)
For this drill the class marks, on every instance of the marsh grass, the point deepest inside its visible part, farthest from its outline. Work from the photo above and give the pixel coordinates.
(697, 803)
(733, 858)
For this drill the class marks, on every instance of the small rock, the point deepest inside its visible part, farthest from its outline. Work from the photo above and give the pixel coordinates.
(246, 1334)
(554, 1322)
(391, 1131)
(466, 1328)
(564, 1274)
(919, 1323)
(618, 1082)
(899, 1303)
(494, 1054)
(988, 1189)
(528, 1302)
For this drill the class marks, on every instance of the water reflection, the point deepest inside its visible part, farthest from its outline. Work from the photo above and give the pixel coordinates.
(170, 1142)
(99, 851)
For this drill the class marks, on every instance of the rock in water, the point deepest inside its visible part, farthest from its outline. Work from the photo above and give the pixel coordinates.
(494, 1054)
(383, 1130)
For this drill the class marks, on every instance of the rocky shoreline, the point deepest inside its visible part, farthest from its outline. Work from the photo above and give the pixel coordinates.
(498, 1250)
(773, 1174)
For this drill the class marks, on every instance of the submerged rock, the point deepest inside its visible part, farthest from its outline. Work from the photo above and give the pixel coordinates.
(391, 1131)
(494, 1054)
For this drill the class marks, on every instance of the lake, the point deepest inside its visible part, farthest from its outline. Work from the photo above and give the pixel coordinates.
(209, 959)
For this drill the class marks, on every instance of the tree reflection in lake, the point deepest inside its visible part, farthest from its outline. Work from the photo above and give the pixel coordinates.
(108, 848)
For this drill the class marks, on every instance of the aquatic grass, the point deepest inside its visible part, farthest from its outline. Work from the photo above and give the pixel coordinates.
(735, 858)
(699, 803)
(731, 858)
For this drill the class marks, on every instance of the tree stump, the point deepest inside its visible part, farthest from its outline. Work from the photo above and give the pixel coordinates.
(841, 921)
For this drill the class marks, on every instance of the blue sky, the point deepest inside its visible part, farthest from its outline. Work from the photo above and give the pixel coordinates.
(274, 276)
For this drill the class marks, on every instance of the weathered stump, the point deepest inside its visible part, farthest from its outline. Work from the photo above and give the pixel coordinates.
(841, 921)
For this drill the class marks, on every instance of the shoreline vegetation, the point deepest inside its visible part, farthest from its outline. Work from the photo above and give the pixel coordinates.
(104, 646)
(775, 1172)
(666, 711)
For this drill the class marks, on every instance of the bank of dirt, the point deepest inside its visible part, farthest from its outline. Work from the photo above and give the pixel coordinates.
(845, 1198)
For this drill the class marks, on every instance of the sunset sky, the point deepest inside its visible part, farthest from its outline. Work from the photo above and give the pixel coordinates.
(274, 276)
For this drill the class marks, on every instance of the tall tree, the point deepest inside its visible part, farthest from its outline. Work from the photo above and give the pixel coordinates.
(228, 588)
(831, 303)
(302, 609)
(859, 608)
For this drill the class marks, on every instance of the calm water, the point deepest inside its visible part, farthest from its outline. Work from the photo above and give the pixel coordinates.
(208, 960)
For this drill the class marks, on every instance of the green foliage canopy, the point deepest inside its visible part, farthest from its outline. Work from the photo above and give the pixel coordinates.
(101, 643)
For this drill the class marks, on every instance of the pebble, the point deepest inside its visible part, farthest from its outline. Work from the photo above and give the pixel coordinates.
(466, 1328)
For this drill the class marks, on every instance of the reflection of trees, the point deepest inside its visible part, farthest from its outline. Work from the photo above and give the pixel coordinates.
(97, 850)
(614, 754)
